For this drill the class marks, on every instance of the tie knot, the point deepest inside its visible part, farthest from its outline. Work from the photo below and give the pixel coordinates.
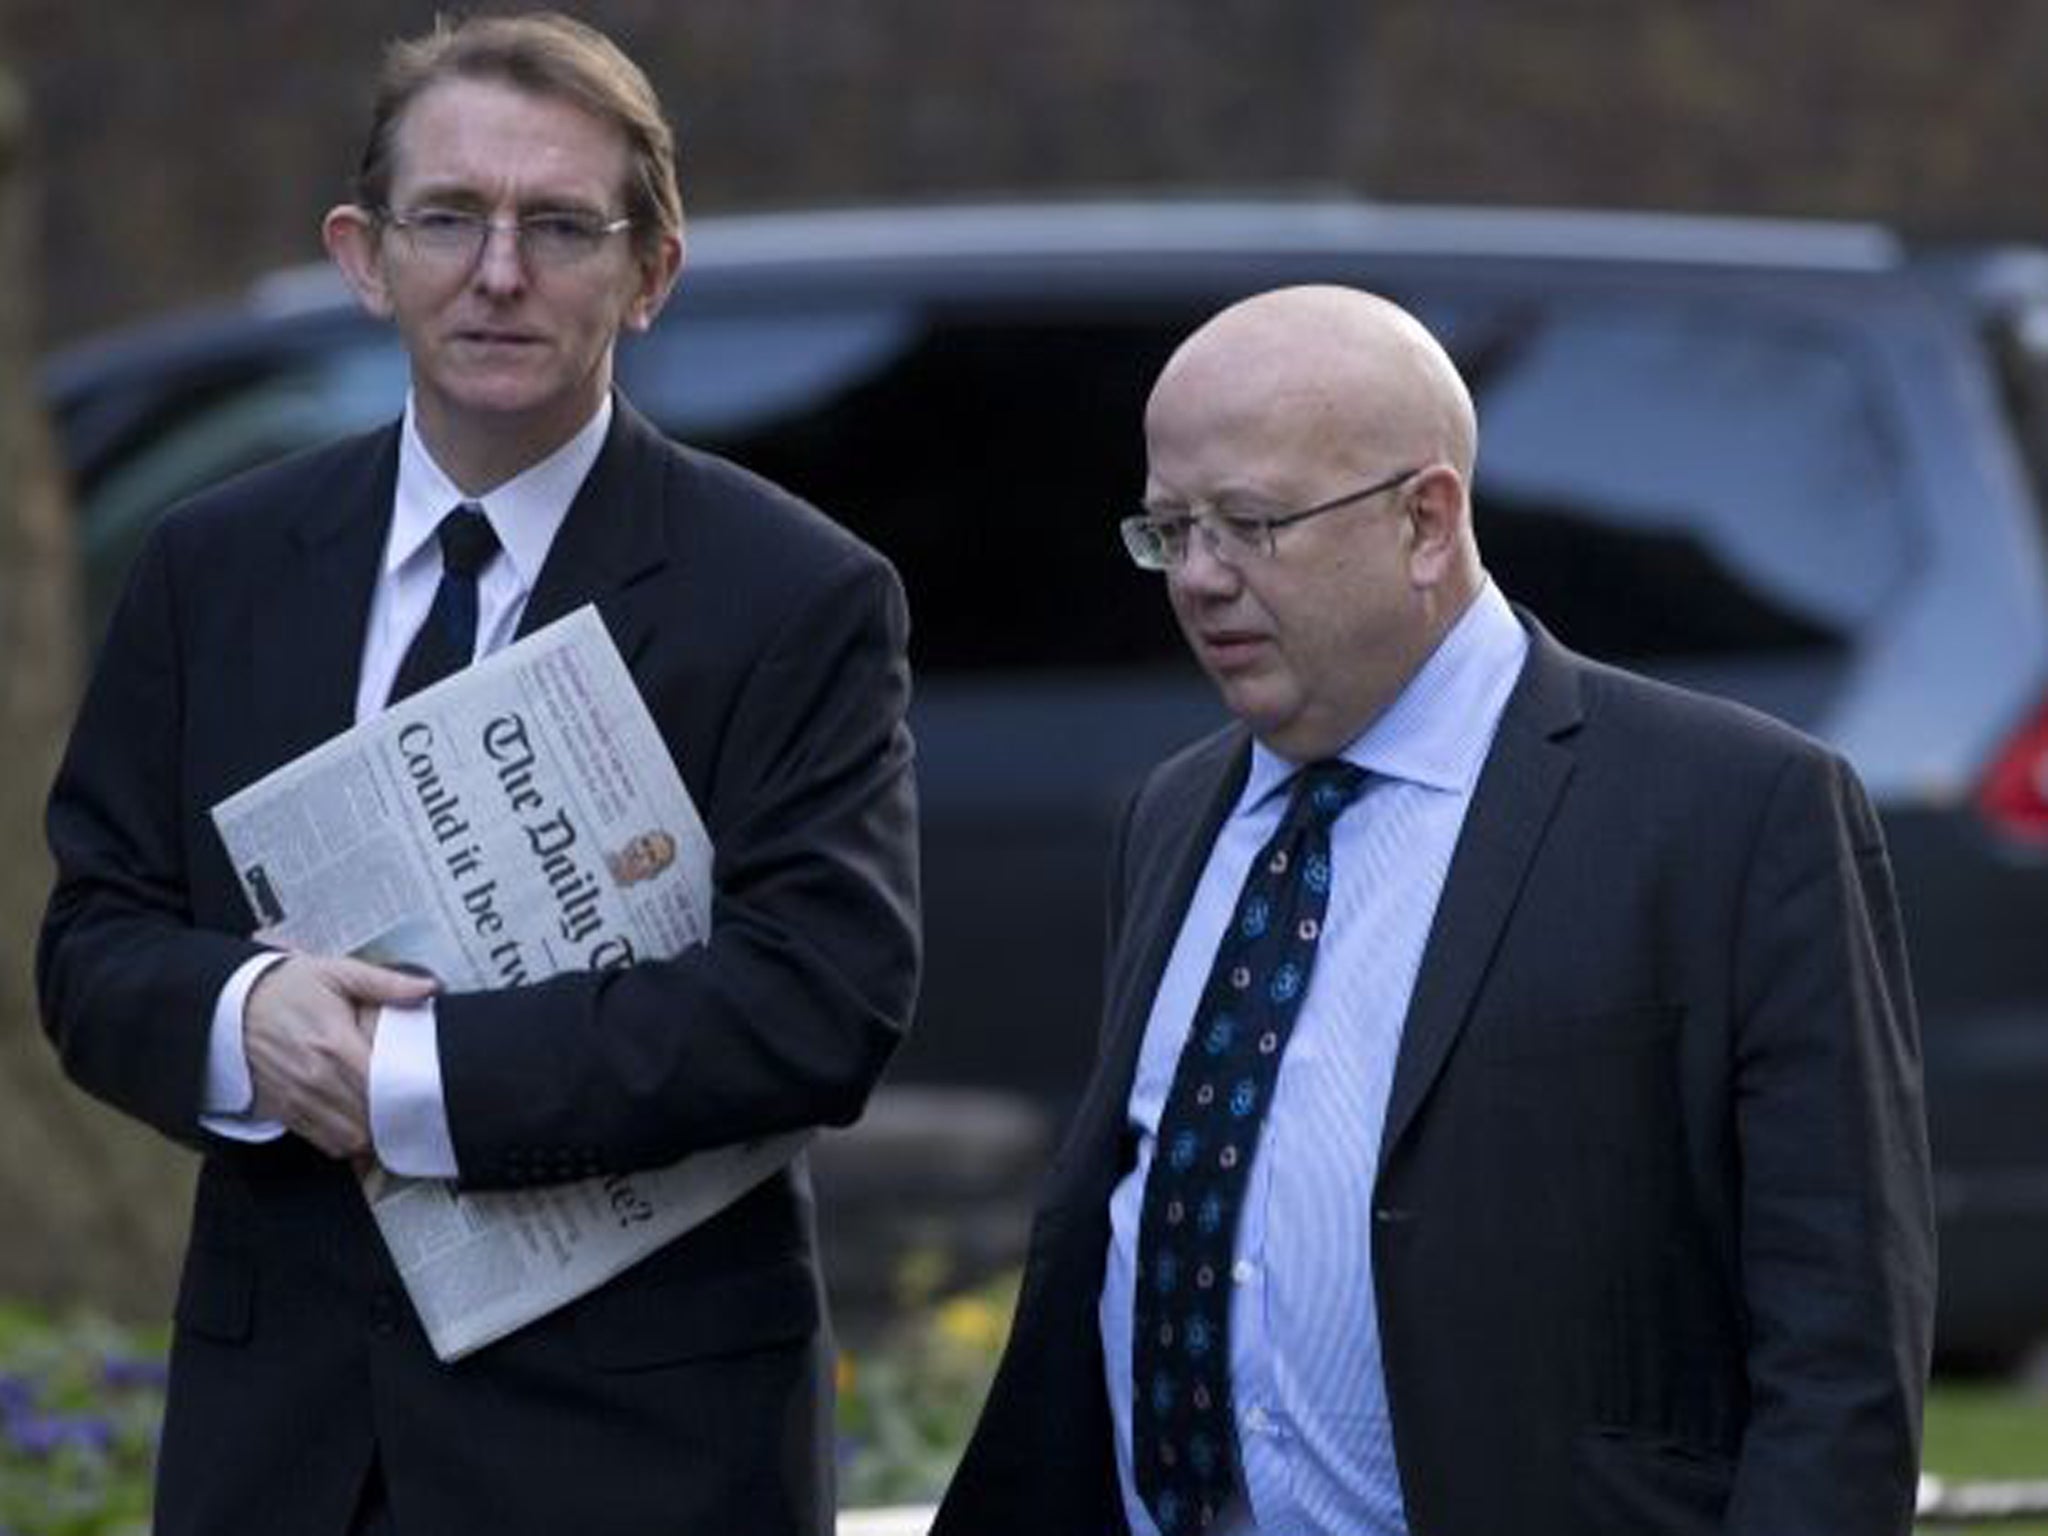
(1323, 789)
(467, 541)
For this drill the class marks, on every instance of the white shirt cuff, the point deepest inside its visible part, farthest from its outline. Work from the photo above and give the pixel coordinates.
(228, 1099)
(408, 1120)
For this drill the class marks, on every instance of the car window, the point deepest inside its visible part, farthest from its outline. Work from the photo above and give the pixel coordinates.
(714, 377)
(206, 435)
(2019, 346)
(1680, 484)
(1703, 487)
(988, 452)
(1685, 481)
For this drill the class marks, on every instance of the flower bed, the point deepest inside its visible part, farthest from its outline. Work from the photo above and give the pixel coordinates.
(81, 1399)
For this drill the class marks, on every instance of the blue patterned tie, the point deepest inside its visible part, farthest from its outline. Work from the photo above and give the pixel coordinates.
(1184, 1449)
(446, 641)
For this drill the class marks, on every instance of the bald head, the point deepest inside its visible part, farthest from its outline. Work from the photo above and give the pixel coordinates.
(1315, 446)
(1363, 376)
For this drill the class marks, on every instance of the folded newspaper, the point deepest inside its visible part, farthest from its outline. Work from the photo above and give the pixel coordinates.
(521, 819)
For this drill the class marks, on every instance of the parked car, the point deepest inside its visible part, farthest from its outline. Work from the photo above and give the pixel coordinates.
(1797, 464)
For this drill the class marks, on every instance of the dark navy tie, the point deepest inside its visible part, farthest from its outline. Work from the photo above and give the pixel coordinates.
(447, 640)
(1183, 1443)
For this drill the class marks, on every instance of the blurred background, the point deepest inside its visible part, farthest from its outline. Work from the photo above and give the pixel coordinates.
(182, 149)
(167, 155)
(171, 155)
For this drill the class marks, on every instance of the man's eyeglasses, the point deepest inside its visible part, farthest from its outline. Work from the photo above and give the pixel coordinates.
(455, 236)
(1161, 543)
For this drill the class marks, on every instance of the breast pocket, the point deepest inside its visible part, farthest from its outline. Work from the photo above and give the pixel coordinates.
(1579, 1089)
(1560, 1039)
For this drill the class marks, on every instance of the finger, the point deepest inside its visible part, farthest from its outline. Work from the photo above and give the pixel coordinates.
(327, 1123)
(335, 1135)
(331, 1114)
(379, 983)
(312, 1073)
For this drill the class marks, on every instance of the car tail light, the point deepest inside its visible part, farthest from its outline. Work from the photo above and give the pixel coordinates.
(2014, 796)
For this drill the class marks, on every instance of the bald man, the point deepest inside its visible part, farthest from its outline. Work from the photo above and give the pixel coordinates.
(1508, 1116)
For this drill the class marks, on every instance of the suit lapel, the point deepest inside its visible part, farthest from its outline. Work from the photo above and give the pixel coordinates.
(614, 533)
(1190, 811)
(1525, 775)
(318, 592)
(1517, 793)
(307, 647)
(1178, 828)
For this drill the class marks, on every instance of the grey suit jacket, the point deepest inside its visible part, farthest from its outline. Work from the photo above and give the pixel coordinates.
(1653, 1234)
(692, 1393)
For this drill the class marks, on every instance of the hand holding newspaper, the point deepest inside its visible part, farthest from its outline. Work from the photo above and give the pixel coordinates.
(520, 819)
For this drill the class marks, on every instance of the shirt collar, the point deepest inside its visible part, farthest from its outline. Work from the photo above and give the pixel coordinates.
(526, 512)
(1437, 730)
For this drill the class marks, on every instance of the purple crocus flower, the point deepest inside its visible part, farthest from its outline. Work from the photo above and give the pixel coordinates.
(46, 1434)
(17, 1395)
(135, 1372)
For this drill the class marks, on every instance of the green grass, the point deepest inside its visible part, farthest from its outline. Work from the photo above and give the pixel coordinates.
(1985, 1430)
(79, 1399)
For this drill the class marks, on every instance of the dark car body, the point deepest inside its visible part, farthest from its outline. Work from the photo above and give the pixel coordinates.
(1792, 463)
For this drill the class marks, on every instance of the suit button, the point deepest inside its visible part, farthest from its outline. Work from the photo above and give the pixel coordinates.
(1391, 1215)
(385, 1312)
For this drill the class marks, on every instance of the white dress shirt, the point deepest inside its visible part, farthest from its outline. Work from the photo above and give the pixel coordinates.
(1309, 1394)
(408, 1116)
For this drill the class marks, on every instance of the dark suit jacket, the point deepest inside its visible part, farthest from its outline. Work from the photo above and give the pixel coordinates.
(691, 1394)
(1652, 1223)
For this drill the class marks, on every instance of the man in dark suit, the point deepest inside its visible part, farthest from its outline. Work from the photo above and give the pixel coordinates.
(516, 210)
(1508, 1115)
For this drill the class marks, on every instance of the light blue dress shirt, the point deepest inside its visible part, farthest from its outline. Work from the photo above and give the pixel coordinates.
(1310, 1397)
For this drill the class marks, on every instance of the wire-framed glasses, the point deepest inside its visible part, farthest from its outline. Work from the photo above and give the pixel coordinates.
(455, 236)
(1160, 543)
